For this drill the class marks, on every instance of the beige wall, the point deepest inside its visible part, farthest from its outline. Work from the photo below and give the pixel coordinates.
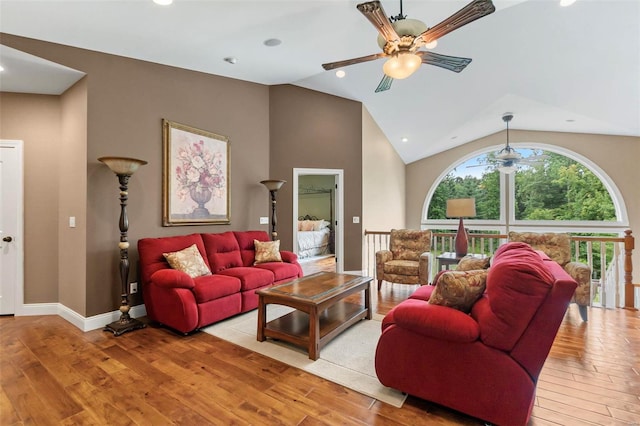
(617, 156)
(72, 242)
(314, 130)
(36, 120)
(383, 190)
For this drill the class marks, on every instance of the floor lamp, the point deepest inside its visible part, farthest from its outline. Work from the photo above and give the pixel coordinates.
(123, 168)
(273, 185)
(461, 207)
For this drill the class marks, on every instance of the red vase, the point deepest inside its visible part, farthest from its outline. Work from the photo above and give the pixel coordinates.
(462, 243)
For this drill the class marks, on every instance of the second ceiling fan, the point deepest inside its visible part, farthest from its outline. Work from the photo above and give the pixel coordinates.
(401, 40)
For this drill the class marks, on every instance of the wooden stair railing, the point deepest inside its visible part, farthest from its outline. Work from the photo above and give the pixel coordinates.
(487, 243)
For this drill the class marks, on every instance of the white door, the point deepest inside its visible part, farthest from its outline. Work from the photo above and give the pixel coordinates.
(338, 208)
(10, 225)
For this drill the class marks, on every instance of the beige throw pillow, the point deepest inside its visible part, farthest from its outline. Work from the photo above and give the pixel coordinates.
(267, 251)
(459, 289)
(188, 261)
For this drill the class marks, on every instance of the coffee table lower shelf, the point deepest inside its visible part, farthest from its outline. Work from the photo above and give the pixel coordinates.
(294, 326)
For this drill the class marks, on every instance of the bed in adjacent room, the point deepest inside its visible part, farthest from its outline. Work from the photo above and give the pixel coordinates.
(314, 237)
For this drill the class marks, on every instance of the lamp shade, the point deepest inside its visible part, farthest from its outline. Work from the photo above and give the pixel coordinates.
(122, 165)
(273, 184)
(461, 207)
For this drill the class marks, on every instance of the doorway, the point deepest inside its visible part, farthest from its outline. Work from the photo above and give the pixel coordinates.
(11, 226)
(318, 213)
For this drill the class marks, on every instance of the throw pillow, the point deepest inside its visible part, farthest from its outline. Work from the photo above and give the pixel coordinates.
(459, 289)
(267, 251)
(469, 263)
(188, 261)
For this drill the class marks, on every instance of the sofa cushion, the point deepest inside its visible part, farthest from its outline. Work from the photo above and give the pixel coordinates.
(267, 251)
(281, 271)
(223, 251)
(402, 267)
(518, 282)
(250, 277)
(151, 249)
(247, 246)
(459, 289)
(189, 261)
(211, 287)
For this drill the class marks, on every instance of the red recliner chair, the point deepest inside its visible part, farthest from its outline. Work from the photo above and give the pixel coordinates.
(485, 363)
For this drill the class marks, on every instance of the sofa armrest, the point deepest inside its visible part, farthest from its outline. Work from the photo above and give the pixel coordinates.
(288, 256)
(424, 265)
(171, 278)
(582, 274)
(438, 322)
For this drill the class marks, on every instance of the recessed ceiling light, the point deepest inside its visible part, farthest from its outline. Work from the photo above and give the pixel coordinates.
(565, 3)
(163, 2)
(340, 73)
(405, 139)
(231, 60)
(272, 42)
(570, 120)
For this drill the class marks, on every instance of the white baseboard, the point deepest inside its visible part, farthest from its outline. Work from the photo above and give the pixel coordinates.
(83, 323)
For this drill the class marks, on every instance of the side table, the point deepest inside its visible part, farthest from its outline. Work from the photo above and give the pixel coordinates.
(448, 258)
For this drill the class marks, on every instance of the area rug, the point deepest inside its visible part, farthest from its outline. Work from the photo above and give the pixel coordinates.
(347, 360)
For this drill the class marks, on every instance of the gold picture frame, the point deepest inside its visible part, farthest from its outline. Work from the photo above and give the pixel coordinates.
(195, 184)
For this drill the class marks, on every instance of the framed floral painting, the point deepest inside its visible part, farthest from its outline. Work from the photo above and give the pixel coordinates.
(195, 188)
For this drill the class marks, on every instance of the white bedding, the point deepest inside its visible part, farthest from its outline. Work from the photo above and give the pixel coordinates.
(313, 243)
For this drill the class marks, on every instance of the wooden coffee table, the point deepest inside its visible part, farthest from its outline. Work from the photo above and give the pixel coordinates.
(320, 312)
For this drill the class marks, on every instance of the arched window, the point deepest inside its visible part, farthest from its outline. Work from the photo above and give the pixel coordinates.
(559, 190)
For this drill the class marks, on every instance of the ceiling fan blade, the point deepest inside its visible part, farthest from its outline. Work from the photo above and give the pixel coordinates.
(385, 84)
(474, 10)
(451, 63)
(340, 64)
(374, 12)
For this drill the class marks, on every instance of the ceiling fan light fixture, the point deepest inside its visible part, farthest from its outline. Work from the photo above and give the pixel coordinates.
(402, 65)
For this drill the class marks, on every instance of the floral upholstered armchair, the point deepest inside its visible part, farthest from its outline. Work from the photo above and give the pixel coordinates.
(408, 259)
(558, 247)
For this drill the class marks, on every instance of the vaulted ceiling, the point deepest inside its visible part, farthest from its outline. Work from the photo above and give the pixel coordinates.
(568, 69)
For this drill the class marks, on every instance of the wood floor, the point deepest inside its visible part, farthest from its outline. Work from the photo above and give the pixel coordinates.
(52, 373)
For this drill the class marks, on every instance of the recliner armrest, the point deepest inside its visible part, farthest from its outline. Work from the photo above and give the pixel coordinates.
(438, 322)
(171, 278)
(288, 256)
(424, 267)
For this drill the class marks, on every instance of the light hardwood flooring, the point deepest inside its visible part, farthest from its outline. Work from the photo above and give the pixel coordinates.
(52, 373)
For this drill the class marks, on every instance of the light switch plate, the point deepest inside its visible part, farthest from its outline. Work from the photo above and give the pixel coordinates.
(356, 219)
(264, 220)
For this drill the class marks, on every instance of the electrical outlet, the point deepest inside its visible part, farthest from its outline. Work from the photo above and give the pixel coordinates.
(264, 220)
(133, 288)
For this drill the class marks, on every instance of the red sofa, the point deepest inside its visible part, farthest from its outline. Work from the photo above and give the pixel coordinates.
(485, 363)
(174, 299)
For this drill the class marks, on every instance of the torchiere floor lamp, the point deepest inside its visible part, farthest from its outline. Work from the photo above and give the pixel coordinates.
(123, 168)
(273, 185)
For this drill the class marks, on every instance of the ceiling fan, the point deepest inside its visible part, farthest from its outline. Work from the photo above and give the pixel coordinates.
(401, 40)
(508, 158)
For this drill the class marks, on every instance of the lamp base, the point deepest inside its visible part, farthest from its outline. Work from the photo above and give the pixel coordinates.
(461, 242)
(123, 325)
